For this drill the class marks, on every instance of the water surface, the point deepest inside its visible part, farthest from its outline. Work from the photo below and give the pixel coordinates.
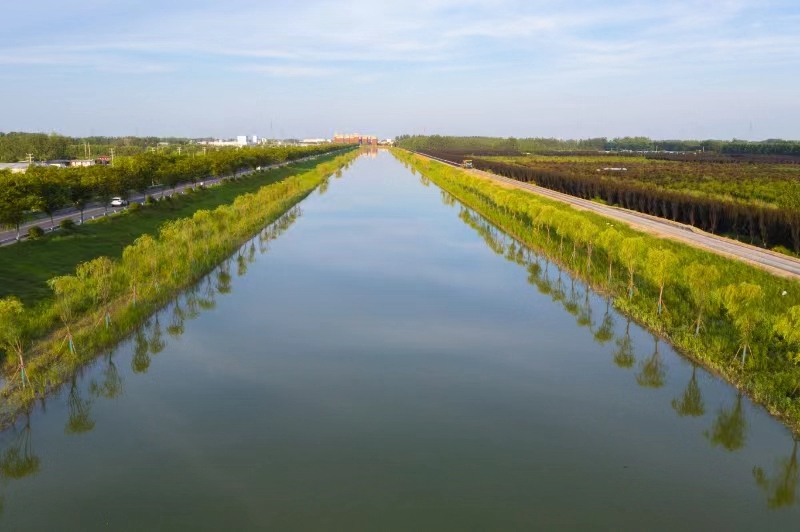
(374, 364)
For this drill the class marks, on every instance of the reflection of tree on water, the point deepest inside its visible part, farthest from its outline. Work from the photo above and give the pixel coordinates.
(605, 332)
(176, 325)
(652, 372)
(585, 313)
(241, 265)
(224, 278)
(691, 402)
(18, 460)
(140, 362)
(730, 427)
(781, 489)
(156, 341)
(623, 355)
(110, 386)
(80, 411)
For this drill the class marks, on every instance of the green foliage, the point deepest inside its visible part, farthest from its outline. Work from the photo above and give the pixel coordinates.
(35, 232)
(67, 224)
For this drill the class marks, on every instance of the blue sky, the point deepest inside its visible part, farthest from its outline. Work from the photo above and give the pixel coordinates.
(678, 69)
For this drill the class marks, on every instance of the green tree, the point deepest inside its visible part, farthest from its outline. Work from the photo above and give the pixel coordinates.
(610, 241)
(13, 333)
(788, 327)
(701, 280)
(660, 267)
(631, 252)
(743, 303)
(17, 197)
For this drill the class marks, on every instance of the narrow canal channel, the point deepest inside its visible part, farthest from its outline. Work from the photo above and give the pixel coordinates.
(375, 363)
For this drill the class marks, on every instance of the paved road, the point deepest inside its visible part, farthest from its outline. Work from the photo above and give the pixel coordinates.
(98, 210)
(764, 259)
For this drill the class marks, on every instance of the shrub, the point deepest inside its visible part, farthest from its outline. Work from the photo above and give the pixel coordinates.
(35, 232)
(67, 225)
(133, 207)
(149, 200)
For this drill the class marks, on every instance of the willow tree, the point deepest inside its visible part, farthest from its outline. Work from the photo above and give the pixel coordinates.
(98, 274)
(702, 280)
(13, 334)
(631, 251)
(69, 291)
(788, 327)
(610, 240)
(743, 303)
(660, 267)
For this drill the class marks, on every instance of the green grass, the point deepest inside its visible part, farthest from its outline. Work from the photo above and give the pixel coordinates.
(26, 267)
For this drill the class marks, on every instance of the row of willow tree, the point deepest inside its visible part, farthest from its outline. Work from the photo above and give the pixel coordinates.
(736, 319)
(48, 189)
(765, 226)
(107, 299)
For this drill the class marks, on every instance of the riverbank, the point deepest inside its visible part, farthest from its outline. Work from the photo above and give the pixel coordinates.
(107, 299)
(728, 316)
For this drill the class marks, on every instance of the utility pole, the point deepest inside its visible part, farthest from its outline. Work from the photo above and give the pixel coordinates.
(112, 156)
(179, 150)
(29, 156)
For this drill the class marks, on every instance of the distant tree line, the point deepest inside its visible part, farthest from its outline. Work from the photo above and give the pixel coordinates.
(16, 146)
(511, 145)
(766, 226)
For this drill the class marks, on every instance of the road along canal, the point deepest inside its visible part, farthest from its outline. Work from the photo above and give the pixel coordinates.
(381, 357)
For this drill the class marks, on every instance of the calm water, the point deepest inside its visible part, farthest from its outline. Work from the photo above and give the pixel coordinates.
(378, 366)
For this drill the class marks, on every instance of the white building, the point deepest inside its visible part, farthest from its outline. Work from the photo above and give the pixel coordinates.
(16, 168)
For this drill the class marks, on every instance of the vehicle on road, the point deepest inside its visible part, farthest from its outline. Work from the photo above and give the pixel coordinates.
(118, 202)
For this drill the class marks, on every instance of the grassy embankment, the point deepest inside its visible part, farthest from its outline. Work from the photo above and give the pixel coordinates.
(106, 299)
(26, 267)
(728, 316)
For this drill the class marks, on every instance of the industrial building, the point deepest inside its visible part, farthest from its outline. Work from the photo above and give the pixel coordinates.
(354, 138)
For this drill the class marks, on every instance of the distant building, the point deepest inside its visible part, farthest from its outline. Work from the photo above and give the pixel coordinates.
(355, 138)
(314, 142)
(15, 168)
(254, 140)
(82, 162)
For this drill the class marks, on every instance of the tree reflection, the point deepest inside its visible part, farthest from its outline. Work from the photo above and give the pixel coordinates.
(207, 300)
(623, 354)
(110, 387)
(323, 187)
(691, 402)
(80, 411)
(585, 312)
(605, 332)
(18, 460)
(730, 427)
(176, 325)
(781, 489)
(224, 278)
(241, 265)
(156, 341)
(652, 371)
(140, 362)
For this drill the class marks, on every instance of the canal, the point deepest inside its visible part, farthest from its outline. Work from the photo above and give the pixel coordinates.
(383, 359)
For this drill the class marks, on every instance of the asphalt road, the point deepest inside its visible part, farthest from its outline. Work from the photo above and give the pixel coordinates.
(770, 261)
(98, 210)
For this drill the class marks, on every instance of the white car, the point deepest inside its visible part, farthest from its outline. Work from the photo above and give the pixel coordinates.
(118, 202)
